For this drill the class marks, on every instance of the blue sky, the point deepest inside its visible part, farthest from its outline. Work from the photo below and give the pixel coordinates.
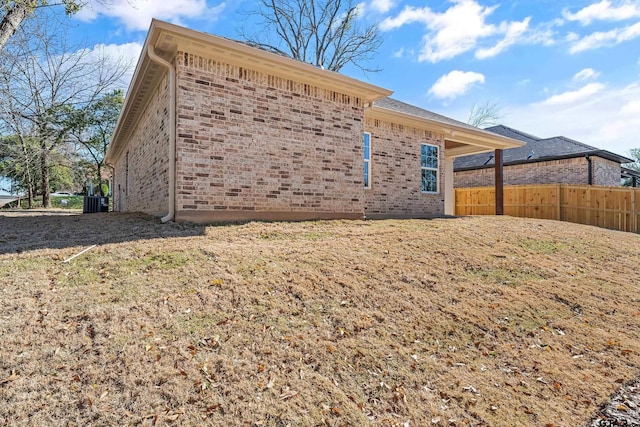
(555, 68)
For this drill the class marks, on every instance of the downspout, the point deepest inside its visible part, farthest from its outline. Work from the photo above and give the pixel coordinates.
(589, 170)
(172, 131)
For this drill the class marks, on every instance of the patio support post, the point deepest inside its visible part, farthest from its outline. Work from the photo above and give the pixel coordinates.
(449, 192)
(499, 183)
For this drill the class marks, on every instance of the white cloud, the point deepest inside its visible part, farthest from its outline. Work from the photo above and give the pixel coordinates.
(572, 37)
(574, 96)
(404, 53)
(605, 10)
(544, 34)
(408, 15)
(609, 38)
(382, 6)
(513, 34)
(127, 53)
(608, 119)
(586, 74)
(137, 14)
(632, 108)
(455, 83)
(123, 56)
(457, 30)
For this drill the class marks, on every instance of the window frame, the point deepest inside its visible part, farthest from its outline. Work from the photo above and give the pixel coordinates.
(367, 161)
(429, 168)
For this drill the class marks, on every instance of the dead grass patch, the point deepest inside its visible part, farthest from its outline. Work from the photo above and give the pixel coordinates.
(469, 321)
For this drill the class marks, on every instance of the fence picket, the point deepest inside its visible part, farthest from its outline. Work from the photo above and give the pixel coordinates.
(609, 207)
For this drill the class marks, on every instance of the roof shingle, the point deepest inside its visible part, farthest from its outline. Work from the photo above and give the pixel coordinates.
(535, 150)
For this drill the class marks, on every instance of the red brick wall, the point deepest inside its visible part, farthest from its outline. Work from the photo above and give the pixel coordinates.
(396, 173)
(564, 171)
(251, 145)
(146, 188)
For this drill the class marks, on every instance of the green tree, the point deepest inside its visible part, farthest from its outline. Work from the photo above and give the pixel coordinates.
(93, 126)
(18, 161)
(43, 83)
(634, 154)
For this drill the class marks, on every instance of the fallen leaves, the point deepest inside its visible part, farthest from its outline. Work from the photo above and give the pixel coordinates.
(13, 377)
(287, 393)
(301, 331)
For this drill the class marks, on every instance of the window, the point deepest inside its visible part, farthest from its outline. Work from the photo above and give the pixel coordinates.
(429, 168)
(367, 160)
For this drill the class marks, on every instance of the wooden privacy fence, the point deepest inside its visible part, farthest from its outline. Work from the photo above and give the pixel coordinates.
(617, 208)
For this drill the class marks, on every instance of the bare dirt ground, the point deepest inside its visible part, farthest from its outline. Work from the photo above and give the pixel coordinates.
(476, 321)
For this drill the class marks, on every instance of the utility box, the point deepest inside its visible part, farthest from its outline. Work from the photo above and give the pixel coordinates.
(93, 204)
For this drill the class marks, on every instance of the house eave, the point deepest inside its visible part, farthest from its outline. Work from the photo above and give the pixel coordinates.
(467, 141)
(169, 39)
(597, 153)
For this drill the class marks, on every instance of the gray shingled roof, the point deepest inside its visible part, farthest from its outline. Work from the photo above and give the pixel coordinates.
(535, 150)
(403, 107)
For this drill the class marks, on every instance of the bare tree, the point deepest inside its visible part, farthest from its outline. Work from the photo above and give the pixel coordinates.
(321, 32)
(16, 11)
(44, 82)
(485, 115)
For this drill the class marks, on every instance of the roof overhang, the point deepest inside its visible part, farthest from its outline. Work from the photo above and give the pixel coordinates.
(630, 173)
(586, 154)
(459, 140)
(610, 156)
(169, 39)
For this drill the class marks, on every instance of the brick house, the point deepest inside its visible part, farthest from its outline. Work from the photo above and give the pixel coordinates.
(556, 160)
(216, 130)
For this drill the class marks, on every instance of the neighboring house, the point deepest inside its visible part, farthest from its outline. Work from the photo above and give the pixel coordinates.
(556, 160)
(632, 176)
(216, 130)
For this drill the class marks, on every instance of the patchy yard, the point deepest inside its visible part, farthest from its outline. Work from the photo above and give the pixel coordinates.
(479, 321)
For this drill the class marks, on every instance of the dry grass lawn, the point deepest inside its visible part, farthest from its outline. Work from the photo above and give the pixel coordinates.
(477, 321)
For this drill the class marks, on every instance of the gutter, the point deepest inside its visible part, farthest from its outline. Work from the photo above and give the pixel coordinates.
(172, 131)
(598, 153)
(589, 170)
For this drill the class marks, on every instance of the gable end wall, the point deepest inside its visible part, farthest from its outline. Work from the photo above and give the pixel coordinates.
(256, 146)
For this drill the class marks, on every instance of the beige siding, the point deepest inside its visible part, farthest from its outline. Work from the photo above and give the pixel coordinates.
(564, 171)
(396, 173)
(140, 175)
(251, 146)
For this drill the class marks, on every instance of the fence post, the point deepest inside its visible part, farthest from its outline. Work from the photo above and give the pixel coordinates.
(634, 213)
(559, 201)
(588, 203)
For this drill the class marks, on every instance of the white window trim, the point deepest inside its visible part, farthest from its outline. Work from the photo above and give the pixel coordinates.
(430, 169)
(367, 162)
